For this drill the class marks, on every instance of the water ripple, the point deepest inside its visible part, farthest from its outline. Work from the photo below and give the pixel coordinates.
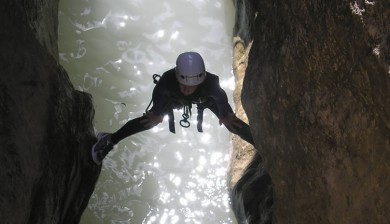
(111, 49)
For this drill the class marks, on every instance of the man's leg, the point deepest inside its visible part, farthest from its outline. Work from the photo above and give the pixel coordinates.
(106, 141)
(130, 128)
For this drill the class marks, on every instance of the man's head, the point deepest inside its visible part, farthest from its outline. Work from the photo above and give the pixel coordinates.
(190, 71)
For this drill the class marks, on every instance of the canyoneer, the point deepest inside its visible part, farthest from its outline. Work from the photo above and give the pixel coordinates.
(178, 88)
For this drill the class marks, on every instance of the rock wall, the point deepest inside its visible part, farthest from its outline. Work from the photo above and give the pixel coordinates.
(250, 185)
(316, 92)
(315, 78)
(45, 125)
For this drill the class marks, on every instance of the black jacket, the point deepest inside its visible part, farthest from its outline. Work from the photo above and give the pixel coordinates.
(167, 96)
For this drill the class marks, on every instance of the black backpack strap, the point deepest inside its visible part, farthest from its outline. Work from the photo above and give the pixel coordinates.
(171, 121)
(199, 118)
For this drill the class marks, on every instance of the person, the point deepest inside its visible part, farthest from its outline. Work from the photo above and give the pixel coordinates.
(178, 88)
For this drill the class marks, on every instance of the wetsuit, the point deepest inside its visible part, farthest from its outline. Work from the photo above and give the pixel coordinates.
(167, 96)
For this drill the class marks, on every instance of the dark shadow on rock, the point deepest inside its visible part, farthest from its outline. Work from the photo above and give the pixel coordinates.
(246, 13)
(46, 126)
(252, 196)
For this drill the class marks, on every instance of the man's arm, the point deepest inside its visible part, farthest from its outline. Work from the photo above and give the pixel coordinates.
(231, 122)
(221, 99)
(160, 96)
(226, 115)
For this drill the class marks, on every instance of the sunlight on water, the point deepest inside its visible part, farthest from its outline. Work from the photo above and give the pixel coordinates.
(111, 49)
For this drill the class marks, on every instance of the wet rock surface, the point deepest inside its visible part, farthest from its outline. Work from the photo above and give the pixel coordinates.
(45, 124)
(316, 93)
(315, 88)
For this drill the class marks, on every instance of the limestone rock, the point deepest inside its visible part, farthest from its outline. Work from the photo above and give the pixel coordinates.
(46, 126)
(315, 91)
(317, 95)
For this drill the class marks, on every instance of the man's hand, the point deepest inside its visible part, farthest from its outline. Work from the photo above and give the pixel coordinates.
(231, 122)
(151, 119)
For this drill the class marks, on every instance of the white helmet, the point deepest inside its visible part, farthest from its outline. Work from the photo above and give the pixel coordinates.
(190, 69)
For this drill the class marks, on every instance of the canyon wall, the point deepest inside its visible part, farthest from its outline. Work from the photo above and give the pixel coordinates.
(315, 91)
(317, 97)
(45, 125)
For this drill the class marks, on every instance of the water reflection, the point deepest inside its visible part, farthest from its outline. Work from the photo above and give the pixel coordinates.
(111, 49)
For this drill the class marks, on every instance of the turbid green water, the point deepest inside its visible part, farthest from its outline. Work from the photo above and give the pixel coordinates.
(111, 49)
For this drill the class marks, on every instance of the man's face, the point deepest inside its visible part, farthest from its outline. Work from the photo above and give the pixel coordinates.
(187, 90)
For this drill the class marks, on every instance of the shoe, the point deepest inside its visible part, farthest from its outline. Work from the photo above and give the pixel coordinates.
(101, 148)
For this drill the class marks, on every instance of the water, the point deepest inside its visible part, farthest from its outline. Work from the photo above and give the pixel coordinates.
(111, 49)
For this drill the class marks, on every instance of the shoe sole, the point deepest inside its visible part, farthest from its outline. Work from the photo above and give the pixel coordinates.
(94, 156)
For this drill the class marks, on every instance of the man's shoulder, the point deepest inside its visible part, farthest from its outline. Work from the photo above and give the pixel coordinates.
(211, 74)
(167, 82)
(168, 76)
(170, 72)
(211, 78)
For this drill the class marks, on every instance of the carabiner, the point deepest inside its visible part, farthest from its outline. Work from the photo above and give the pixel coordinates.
(185, 123)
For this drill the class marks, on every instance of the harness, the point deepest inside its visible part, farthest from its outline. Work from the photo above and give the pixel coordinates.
(201, 105)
